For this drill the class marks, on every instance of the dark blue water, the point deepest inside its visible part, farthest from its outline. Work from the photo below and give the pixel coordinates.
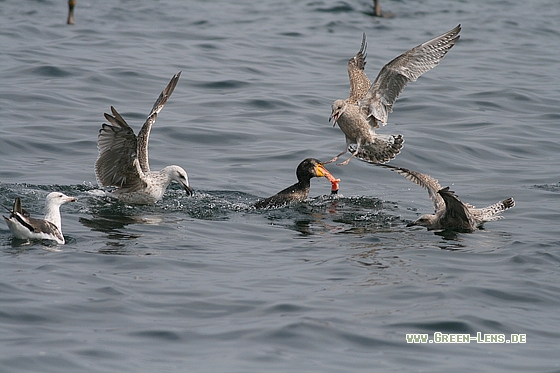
(207, 284)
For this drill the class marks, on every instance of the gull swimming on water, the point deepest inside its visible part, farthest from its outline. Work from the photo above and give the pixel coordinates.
(123, 158)
(369, 104)
(24, 227)
(450, 212)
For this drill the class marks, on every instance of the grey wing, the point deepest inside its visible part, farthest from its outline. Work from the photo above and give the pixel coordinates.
(492, 212)
(117, 164)
(395, 75)
(359, 82)
(425, 181)
(144, 133)
(45, 226)
(18, 208)
(37, 225)
(23, 220)
(54, 231)
(455, 210)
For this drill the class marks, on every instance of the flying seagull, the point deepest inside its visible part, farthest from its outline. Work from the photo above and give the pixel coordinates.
(369, 104)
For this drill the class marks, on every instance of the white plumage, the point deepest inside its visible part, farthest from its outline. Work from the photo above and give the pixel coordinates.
(24, 227)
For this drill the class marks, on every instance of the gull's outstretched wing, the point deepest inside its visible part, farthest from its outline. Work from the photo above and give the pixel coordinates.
(394, 76)
(425, 181)
(117, 164)
(456, 214)
(359, 82)
(492, 212)
(144, 133)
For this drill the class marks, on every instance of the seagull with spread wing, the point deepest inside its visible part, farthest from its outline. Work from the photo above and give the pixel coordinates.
(123, 158)
(369, 104)
(450, 212)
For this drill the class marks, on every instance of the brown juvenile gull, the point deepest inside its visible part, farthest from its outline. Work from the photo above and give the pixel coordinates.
(369, 104)
(306, 170)
(450, 212)
(123, 158)
(24, 227)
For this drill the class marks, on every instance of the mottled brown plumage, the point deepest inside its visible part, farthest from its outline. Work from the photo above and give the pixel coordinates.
(450, 212)
(369, 105)
(359, 82)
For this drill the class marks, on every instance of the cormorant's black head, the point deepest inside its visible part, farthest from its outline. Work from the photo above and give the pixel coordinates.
(310, 168)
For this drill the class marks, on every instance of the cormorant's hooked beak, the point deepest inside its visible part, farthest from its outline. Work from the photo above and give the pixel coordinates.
(411, 224)
(323, 172)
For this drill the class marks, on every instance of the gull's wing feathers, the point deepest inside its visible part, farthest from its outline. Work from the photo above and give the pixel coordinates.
(117, 164)
(17, 208)
(424, 180)
(407, 67)
(456, 214)
(39, 226)
(144, 133)
(492, 212)
(359, 82)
